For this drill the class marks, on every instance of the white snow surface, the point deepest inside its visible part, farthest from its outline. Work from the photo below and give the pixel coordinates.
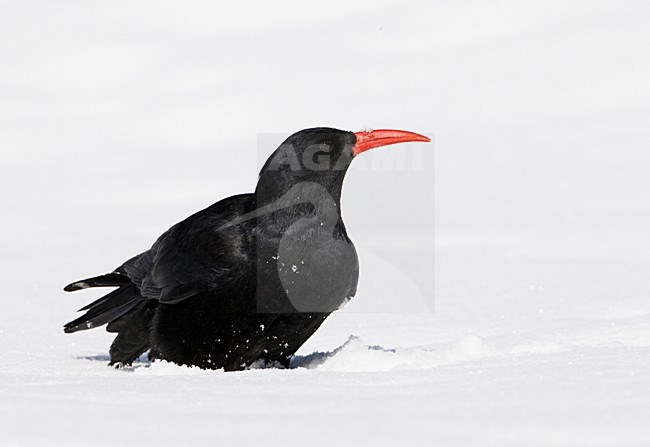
(119, 119)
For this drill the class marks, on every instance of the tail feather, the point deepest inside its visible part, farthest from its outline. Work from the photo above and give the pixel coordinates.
(108, 280)
(106, 309)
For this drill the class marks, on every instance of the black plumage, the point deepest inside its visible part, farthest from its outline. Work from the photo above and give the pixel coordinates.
(247, 279)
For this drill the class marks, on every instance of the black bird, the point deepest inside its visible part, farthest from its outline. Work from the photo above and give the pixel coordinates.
(250, 278)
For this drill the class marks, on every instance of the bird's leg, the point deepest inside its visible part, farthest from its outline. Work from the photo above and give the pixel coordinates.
(153, 355)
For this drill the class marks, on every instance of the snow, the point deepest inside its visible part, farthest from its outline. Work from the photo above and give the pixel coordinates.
(532, 326)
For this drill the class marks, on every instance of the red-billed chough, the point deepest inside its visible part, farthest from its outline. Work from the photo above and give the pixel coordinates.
(249, 278)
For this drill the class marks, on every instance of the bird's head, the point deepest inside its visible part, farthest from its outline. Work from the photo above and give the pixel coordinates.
(322, 155)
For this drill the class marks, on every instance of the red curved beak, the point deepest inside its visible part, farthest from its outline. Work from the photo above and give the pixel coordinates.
(369, 139)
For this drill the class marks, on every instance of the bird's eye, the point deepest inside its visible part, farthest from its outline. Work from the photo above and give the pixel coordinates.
(317, 157)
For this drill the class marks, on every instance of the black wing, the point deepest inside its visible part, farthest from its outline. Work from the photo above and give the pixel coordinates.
(200, 254)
